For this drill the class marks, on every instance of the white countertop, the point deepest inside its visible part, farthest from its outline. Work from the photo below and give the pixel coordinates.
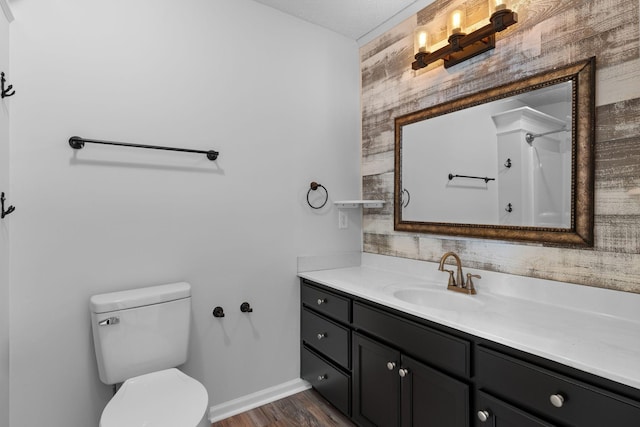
(591, 329)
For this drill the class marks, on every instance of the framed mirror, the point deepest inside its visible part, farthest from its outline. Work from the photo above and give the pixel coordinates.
(514, 162)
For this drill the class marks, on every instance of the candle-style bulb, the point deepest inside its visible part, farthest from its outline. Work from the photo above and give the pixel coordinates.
(421, 42)
(496, 5)
(456, 21)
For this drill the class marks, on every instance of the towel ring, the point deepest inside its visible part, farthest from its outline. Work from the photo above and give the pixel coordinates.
(313, 187)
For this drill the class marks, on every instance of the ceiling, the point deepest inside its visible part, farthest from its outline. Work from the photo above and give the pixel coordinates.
(351, 18)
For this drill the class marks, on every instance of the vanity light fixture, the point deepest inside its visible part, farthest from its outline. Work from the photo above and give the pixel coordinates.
(462, 46)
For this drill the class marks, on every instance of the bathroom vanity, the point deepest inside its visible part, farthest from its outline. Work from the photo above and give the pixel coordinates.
(395, 348)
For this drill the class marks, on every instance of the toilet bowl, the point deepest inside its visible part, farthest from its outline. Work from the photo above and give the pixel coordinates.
(167, 398)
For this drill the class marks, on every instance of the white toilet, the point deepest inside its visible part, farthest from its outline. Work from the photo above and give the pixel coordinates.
(140, 336)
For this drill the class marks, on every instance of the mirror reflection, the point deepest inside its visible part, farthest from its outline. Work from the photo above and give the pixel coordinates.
(512, 162)
(505, 162)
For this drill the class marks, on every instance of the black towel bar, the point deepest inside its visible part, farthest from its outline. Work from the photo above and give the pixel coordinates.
(484, 178)
(77, 143)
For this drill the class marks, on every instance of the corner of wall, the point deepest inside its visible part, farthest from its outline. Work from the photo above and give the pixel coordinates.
(7, 10)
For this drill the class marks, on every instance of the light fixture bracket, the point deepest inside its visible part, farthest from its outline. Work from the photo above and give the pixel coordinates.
(461, 47)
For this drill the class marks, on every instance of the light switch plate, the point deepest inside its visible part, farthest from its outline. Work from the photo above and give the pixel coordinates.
(343, 219)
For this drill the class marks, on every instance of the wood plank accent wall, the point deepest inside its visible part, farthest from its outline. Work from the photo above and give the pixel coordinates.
(549, 33)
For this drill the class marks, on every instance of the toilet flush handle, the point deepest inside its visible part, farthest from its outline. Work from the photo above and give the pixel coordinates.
(109, 321)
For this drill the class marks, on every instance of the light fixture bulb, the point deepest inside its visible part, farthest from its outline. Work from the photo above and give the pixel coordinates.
(421, 42)
(496, 5)
(456, 22)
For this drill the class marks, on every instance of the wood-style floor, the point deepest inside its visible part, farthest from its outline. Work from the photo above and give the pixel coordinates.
(305, 409)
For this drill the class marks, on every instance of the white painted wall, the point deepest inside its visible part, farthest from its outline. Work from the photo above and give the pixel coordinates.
(278, 97)
(463, 143)
(4, 228)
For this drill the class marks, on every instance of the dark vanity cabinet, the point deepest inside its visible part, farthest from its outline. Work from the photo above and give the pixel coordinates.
(391, 387)
(325, 360)
(386, 368)
(561, 399)
(381, 369)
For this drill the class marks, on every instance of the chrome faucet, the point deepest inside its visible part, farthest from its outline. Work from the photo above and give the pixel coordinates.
(458, 284)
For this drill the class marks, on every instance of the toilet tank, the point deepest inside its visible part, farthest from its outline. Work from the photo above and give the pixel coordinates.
(139, 331)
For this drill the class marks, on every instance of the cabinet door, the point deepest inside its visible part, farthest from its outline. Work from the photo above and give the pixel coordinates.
(492, 412)
(376, 388)
(431, 398)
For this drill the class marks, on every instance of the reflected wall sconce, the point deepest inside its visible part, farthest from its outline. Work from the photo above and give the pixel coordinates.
(462, 46)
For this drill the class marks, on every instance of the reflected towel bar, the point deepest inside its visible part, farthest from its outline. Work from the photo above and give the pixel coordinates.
(484, 178)
(77, 143)
(530, 137)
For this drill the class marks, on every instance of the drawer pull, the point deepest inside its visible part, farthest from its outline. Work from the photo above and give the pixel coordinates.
(557, 400)
(322, 301)
(403, 372)
(391, 366)
(322, 335)
(322, 377)
(483, 416)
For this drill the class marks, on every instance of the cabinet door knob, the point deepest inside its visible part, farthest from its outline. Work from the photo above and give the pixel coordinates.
(322, 377)
(483, 415)
(322, 301)
(391, 366)
(403, 372)
(322, 335)
(557, 400)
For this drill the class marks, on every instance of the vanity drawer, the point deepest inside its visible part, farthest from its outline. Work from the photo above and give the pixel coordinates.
(327, 337)
(438, 349)
(494, 412)
(532, 387)
(326, 302)
(331, 383)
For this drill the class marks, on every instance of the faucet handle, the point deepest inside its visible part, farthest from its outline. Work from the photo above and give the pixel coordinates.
(452, 280)
(470, 282)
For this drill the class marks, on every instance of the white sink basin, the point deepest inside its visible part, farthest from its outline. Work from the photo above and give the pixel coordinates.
(438, 298)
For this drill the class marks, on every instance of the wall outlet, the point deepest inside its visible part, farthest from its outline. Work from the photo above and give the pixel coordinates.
(343, 219)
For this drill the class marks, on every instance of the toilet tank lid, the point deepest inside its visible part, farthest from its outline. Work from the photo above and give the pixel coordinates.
(140, 297)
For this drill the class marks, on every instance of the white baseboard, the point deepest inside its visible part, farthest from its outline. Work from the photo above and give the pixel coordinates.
(259, 398)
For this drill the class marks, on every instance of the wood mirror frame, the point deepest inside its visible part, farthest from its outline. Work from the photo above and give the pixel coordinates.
(580, 233)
